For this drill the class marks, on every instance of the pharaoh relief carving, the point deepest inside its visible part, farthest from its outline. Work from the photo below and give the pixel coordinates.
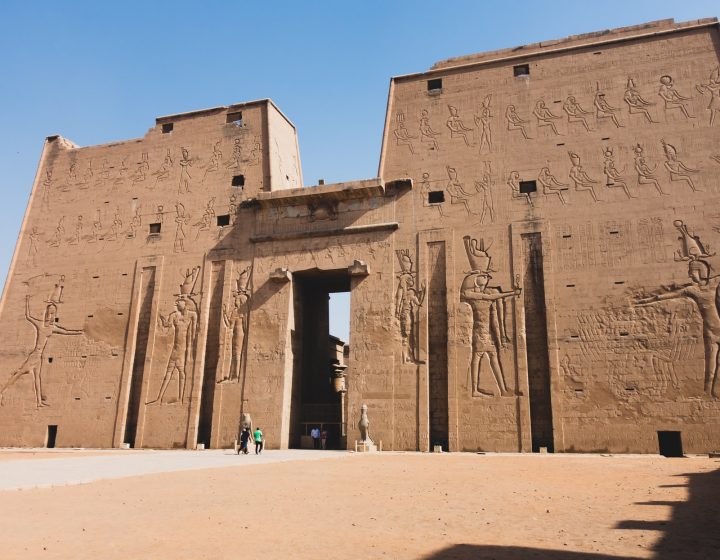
(613, 177)
(207, 219)
(427, 134)
(47, 188)
(142, 168)
(514, 122)
(57, 237)
(514, 184)
(603, 109)
(402, 134)
(163, 172)
(44, 330)
(458, 195)
(635, 102)
(135, 222)
(425, 190)
(235, 319)
(236, 156)
(185, 177)
(545, 117)
(702, 290)
(482, 123)
(183, 323)
(645, 173)
(671, 97)
(408, 301)
(79, 226)
(456, 126)
(213, 163)
(484, 189)
(712, 88)
(182, 218)
(551, 185)
(583, 182)
(677, 169)
(489, 331)
(34, 239)
(575, 113)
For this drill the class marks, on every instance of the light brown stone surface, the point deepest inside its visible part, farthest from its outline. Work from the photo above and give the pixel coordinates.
(383, 506)
(582, 316)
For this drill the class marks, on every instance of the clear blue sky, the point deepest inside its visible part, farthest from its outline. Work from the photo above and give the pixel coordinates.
(96, 71)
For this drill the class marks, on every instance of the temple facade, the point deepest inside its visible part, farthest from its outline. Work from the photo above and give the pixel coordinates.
(534, 267)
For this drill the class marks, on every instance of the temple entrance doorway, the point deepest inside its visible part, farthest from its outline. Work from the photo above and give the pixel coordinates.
(320, 359)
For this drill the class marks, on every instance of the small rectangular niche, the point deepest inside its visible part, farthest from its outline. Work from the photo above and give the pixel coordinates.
(614, 232)
(569, 285)
(521, 70)
(619, 282)
(234, 118)
(434, 85)
(436, 197)
(50, 360)
(527, 187)
(567, 235)
(238, 181)
(155, 228)
(223, 220)
(167, 128)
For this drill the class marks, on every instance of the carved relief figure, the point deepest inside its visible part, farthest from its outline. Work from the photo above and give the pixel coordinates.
(483, 186)
(514, 184)
(96, 229)
(677, 169)
(181, 220)
(254, 158)
(482, 123)
(488, 312)
(215, 160)
(78, 231)
(183, 322)
(635, 102)
(185, 165)
(575, 112)
(456, 126)
(163, 171)
(603, 109)
(33, 249)
(160, 214)
(236, 323)
(613, 177)
(425, 189)
(407, 305)
(135, 223)
(143, 166)
(455, 188)
(207, 218)
(44, 329)
(703, 291)
(57, 237)
(116, 226)
(671, 97)
(47, 187)
(402, 134)
(236, 156)
(514, 122)
(582, 180)
(646, 174)
(551, 185)
(712, 88)
(545, 116)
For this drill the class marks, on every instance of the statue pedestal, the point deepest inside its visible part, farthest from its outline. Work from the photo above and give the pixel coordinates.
(365, 446)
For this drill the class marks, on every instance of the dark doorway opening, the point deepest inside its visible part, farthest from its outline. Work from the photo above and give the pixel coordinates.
(317, 399)
(541, 422)
(51, 436)
(670, 444)
(437, 347)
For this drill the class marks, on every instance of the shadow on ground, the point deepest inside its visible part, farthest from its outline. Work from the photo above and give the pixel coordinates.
(692, 532)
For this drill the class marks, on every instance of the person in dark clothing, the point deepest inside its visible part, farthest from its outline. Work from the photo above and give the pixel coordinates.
(244, 440)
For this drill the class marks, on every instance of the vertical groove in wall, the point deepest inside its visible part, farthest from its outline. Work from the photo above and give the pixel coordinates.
(541, 423)
(437, 345)
(147, 290)
(212, 353)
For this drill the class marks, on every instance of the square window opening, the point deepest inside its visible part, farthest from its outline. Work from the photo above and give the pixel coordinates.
(436, 197)
(521, 70)
(155, 228)
(234, 118)
(434, 85)
(238, 181)
(223, 220)
(527, 187)
(167, 128)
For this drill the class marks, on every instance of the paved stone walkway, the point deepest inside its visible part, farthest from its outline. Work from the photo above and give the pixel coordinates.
(21, 473)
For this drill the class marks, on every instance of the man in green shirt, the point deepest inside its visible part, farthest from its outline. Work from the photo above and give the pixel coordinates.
(258, 437)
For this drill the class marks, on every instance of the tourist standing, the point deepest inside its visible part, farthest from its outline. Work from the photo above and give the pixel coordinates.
(315, 435)
(258, 437)
(244, 439)
(323, 438)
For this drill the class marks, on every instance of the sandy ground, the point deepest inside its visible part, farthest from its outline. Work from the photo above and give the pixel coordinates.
(405, 506)
(27, 454)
